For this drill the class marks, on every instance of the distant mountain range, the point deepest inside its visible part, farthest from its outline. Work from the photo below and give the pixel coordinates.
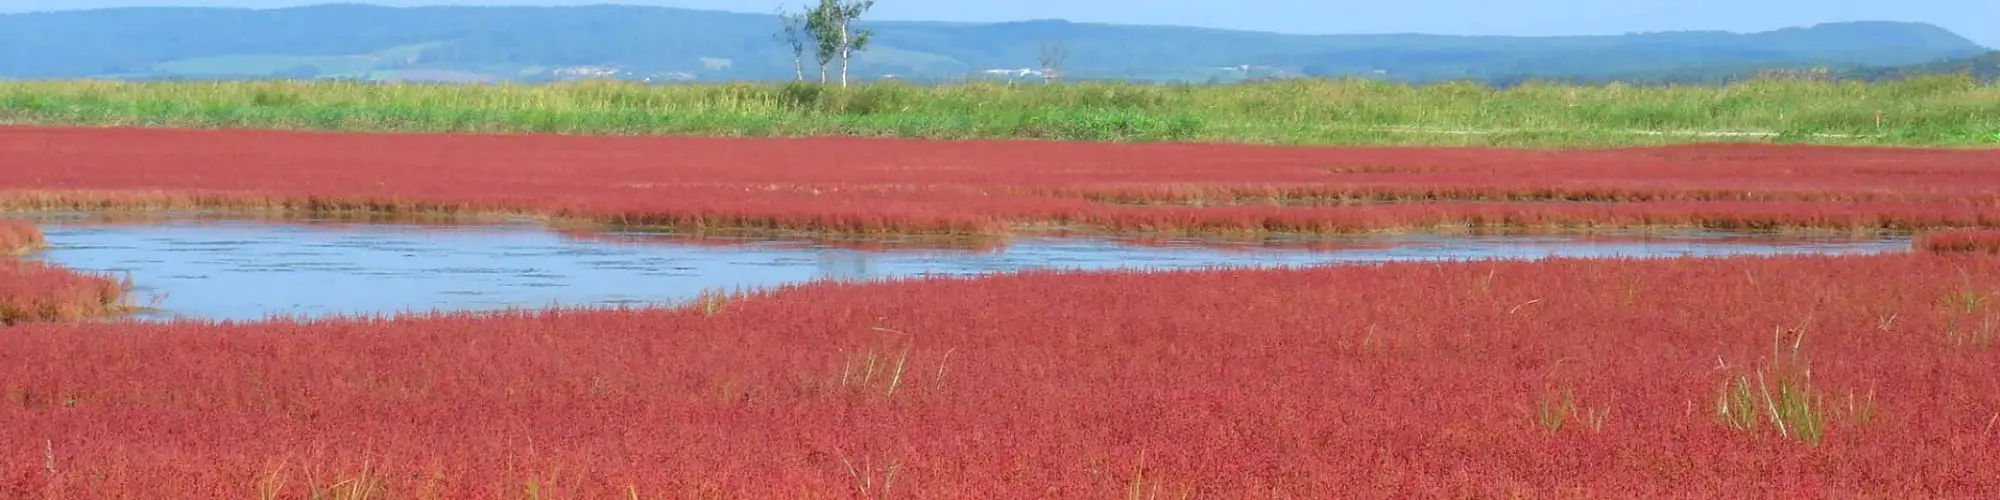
(665, 44)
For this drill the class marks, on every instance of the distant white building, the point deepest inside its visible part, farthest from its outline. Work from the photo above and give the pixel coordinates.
(1014, 73)
(584, 72)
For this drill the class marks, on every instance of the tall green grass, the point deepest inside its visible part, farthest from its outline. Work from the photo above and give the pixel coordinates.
(1934, 111)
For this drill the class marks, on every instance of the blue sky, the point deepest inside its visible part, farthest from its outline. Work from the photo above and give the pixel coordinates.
(1976, 19)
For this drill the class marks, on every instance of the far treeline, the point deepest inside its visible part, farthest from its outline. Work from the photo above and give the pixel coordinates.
(1984, 67)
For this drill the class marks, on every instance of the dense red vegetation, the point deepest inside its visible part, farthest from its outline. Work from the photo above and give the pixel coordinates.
(18, 236)
(991, 187)
(1972, 241)
(1370, 381)
(33, 291)
(1566, 377)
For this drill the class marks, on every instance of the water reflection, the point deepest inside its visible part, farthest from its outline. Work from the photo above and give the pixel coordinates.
(250, 269)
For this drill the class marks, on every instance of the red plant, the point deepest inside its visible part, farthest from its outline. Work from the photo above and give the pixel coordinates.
(885, 186)
(19, 236)
(32, 291)
(1487, 379)
(1963, 241)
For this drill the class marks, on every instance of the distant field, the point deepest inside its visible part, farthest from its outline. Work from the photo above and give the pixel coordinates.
(1932, 111)
(980, 189)
(364, 66)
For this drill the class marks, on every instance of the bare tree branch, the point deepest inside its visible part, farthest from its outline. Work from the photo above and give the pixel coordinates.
(1052, 57)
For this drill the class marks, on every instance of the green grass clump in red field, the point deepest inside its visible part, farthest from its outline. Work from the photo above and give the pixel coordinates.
(1961, 241)
(1745, 376)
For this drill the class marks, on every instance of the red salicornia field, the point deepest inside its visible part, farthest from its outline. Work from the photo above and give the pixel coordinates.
(992, 187)
(33, 291)
(1794, 377)
(1967, 240)
(17, 237)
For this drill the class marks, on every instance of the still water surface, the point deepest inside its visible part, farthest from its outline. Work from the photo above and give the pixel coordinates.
(248, 270)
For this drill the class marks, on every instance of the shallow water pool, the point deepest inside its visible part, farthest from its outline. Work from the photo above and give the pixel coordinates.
(250, 270)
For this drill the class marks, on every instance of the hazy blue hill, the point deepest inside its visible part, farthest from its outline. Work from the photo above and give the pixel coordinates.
(532, 43)
(1983, 67)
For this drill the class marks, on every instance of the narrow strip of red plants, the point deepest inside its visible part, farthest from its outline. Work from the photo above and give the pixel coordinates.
(854, 185)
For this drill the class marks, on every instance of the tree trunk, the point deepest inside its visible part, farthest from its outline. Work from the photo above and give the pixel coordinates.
(845, 49)
(799, 66)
